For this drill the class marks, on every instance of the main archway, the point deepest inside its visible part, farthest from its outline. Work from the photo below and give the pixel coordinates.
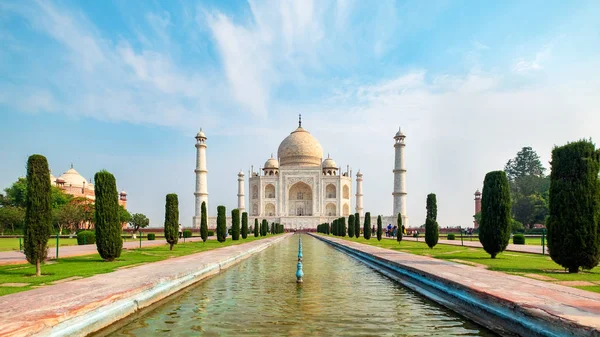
(300, 199)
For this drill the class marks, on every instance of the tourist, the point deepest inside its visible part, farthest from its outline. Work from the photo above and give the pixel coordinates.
(180, 231)
(389, 230)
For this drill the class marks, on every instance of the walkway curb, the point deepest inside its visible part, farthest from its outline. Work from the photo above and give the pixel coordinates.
(86, 315)
(524, 307)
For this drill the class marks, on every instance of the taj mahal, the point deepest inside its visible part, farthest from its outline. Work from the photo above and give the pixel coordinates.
(300, 188)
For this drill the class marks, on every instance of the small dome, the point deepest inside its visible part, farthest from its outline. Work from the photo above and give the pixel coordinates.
(201, 134)
(359, 174)
(477, 192)
(123, 193)
(272, 163)
(241, 174)
(300, 148)
(329, 163)
(399, 133)
(73, 178)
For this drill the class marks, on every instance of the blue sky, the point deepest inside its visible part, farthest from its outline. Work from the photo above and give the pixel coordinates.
(125, 85)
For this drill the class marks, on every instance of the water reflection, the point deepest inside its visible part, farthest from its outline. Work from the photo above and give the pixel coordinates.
(339, 297)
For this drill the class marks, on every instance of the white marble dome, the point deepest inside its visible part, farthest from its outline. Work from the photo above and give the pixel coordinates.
(300, 148)
(272, 163)
(329, 163)
(73, 178)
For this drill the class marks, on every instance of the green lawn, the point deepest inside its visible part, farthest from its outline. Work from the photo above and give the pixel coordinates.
(8, 244)
(508, 262)
(89, 265)
(537, 241)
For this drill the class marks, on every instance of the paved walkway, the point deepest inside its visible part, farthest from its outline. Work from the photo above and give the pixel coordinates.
(532, 249)
(16, 257)
(78, 307)
(565, 307)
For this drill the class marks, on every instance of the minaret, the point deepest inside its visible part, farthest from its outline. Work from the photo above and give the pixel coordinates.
(201, 193)
(241, 196)
(400, 178)
(477, 207)
(359, 194)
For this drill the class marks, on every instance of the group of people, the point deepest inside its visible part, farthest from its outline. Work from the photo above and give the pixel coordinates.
(390, 231)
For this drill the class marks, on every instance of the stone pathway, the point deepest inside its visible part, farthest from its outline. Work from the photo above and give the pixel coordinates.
(567, 307)
(72, 306)
(531, 249)
(15, 257)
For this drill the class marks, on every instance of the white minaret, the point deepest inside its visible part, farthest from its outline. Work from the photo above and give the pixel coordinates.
(201, 193)
(359, 194)
(241, 196)
(400, 178)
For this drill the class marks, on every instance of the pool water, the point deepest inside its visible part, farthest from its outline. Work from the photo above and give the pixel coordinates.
(259, 297)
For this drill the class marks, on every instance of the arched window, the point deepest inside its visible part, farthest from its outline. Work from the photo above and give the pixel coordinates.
(330, 209)
(346, 210)
(346, 192)
(269, 209)
(254, 192)
(270, 191)
(330, 191)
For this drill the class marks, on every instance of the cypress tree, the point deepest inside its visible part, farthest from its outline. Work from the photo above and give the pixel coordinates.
(494, 229)
(171, 219)
(235, 224)
(244, 225)
(343, 226)
(221, 224)
(263, 227)
(334, 227)
(379, 228)
(399, 232)
(351, 225)
(431, 225)
(367, 228)
(272, 228)
(203, 222)
(357, 225)
(107, 225)
(256, 232)
(573, 224)
(38, 211)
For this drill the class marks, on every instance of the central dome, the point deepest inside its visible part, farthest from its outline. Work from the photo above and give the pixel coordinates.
(300, 148)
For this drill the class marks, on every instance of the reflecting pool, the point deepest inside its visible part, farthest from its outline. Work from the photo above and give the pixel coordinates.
(259, 297)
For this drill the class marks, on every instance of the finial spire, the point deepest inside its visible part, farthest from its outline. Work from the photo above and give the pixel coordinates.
(299, 120)
(71, 164)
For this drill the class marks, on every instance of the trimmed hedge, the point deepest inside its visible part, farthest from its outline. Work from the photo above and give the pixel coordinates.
(151, 236)
(210, 232)
(451, 236)
(86, 238)
(187, 233)
(519, 239)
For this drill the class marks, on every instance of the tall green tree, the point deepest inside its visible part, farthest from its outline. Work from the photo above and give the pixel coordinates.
(172, 220)
(16, 195)
(11, 217)
(526, 163)
(574, 221)
(38, 211)
(351, 225)
(357, 225)
(235, 224)
(494, 229)
(431, 225)
(400, 231)
(124, 215)
(342, 226)
(138, 221)
(263, 227)
(68, 217)
(203, 222)
(530, 210)
(244, 225)
(379, 228)
(367, 227)
(256, 228)
(107, 223)
(221, 224)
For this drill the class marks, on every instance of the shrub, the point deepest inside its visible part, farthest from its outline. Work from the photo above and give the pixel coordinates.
(357, 225)
(573, 223)
(367, 227)
(221, 224)
(204, 233)
(451, 236)
(415, 235)
(256, 229)
(235, 224)
(86, 238)
(351, 225)
(264, 227)
(519, 239)
(38, 211)
(432, 234)
(172, 220)
(400, 230)
(210, 232)
(379, 228)
(494, 229)
(244, 225)
(151, 236)
(107, 224)
(187, 233)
